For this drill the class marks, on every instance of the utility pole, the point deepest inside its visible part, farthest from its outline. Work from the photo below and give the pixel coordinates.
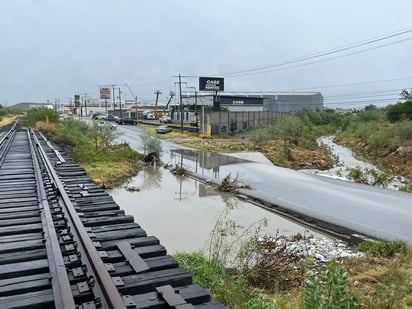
(180, 99)
(85, 103)
(194, 88)
(120, 102)
(181, 103)
(114, 100)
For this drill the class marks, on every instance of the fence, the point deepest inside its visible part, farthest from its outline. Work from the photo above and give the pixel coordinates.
(224, 123)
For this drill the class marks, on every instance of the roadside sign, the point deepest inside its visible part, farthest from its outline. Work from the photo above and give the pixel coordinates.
(105, 92)
(211, 84)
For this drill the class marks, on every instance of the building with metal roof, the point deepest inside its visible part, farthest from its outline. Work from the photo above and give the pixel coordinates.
(258, 101)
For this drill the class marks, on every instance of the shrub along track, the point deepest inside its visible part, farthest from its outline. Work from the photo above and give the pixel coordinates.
(66, 244)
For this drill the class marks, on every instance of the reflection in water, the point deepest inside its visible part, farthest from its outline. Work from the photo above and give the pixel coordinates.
(202, 161)
(148, 178)
(182, 212)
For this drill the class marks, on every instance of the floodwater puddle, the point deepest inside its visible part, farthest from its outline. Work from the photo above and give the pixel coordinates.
(204, 163)
(182, 212)
(347, 161)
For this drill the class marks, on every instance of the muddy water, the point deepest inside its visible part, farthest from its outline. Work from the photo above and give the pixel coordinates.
(346, 161)
(183, 212)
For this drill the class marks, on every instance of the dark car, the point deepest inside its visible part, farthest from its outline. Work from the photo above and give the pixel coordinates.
(127, 120)
(109, 117)
(163, 129)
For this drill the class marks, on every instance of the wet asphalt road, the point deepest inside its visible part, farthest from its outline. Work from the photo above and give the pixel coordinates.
(367, 210)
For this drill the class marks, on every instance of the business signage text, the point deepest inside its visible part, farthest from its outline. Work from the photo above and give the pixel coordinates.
(211, 84)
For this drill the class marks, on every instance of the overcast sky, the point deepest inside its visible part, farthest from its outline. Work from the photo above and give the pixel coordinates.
(51, 49)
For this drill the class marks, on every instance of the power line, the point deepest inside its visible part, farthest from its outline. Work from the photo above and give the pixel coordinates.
(394, 100)
(357, 83)
(319, 61)
(322, 54)
(372, 95)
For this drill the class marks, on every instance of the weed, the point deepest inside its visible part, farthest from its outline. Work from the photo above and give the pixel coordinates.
(390, 293)
(329, 290)
(383, 248)
(47, 128)
(357, 175)
(380, 178)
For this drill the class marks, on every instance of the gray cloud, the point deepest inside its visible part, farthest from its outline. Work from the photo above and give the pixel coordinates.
(51, 49)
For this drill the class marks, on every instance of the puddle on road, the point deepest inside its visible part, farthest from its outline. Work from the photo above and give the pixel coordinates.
(182, 212)
(204, 163)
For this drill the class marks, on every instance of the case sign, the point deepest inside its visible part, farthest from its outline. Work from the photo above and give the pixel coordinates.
(211, 84)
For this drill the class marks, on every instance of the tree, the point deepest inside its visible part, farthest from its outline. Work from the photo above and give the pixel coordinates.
(401, 110)
(371, 107)
(406, 95)
(102, 137)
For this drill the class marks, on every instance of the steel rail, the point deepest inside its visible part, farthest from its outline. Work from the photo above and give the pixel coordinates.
(62, 292)
(106, 290)
(5, 142)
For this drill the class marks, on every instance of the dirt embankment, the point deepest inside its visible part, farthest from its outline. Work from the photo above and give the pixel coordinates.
(7, 120)
(290, 155)
(397, 160)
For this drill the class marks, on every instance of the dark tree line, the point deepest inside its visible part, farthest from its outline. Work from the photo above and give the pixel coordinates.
(401, 110)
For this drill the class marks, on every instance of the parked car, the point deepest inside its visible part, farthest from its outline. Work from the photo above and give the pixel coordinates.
(106, 124)
(163, 129)
(127, 120)
(109, 117)
(165, 119)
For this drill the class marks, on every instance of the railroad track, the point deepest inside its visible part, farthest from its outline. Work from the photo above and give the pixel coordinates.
(64, 242)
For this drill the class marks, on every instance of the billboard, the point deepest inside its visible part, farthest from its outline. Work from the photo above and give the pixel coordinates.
(211, 84)
(105, 92)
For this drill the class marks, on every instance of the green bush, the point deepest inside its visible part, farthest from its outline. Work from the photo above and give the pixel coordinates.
(402, 131)
(383, 248)
(399, 111)
(329, 290)
(260, 135)
(228, 287)
(40, 114)
(71, 132)
(321, 118)
(357, 175)
(371, 115)
(151, 144)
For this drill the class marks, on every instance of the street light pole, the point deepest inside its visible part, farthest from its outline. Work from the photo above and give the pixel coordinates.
(195, 105)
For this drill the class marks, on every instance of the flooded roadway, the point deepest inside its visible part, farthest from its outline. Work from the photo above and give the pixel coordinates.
(182, 212)
(342, 206)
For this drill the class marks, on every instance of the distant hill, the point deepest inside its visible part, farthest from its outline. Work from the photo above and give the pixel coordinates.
(24, 106)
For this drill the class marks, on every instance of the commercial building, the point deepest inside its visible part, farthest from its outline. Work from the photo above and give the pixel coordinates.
(283, 102)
